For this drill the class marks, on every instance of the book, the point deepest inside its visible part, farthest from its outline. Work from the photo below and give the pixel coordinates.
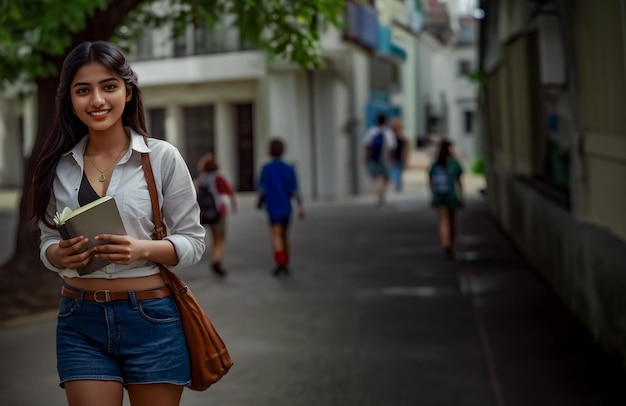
(98, 217)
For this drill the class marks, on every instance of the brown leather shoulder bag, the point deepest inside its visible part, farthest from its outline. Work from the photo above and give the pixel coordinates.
(208, 355)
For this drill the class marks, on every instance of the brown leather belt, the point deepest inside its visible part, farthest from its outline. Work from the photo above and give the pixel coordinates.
(105, 296)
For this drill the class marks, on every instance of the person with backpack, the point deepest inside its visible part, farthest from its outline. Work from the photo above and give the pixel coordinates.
(380, 142)
(211, 186)
(447, 195)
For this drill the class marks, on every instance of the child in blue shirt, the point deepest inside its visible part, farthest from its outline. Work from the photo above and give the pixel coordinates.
(277, 185)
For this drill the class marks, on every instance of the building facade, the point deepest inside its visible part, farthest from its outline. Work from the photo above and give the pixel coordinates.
(447, 96)
(208, 91)
(556, 141)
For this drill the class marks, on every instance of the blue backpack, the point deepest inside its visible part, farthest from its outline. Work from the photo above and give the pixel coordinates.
(376, 147)
(441, 180)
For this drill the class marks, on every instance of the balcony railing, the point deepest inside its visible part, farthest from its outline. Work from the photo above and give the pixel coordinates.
(195, 41)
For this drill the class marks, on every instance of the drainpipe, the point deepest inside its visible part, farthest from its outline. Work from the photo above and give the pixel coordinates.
(313, 130)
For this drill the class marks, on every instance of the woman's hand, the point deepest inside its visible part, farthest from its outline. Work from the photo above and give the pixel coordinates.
(67, 256)
(120, 249)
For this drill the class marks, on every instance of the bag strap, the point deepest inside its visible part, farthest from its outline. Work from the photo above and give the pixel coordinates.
(159, 229)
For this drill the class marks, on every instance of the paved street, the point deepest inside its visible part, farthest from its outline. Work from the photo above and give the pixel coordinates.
(372, 315)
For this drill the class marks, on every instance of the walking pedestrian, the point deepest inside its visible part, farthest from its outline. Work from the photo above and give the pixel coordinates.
(379, 145)
(400, 154)
(117, 327)
(212, 187)
(277, 185)
(447, 195)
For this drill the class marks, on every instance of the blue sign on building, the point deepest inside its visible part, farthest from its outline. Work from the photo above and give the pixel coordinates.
(379, 103)
(386, 46)
(368, 26)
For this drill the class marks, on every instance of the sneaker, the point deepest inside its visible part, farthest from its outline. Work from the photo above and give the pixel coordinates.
(218, 270)
(280, 270)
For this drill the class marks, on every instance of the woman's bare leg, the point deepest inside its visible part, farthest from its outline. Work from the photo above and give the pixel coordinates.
(443, 227)
(160, 394)
(452, 217)
(94, 393)
(217, 247)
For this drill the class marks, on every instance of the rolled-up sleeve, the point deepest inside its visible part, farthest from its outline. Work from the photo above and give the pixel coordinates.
(48, 237)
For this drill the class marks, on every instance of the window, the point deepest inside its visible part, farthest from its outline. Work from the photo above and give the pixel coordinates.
(156, 123)
(144, 47)
(199, 133)
(465, 67)
(180, 45)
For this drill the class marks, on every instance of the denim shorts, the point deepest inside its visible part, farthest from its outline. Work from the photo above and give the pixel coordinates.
(279, 219)
(128, 341)
(375, 169)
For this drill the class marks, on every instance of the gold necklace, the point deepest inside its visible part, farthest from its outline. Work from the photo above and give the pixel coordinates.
(102, 177)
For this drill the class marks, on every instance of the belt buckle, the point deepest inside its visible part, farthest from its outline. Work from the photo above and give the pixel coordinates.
(107, 297)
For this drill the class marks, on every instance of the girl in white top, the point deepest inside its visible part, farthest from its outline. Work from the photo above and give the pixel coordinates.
(118, 327)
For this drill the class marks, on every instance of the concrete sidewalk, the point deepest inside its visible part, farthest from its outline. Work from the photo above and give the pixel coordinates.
(373, 315)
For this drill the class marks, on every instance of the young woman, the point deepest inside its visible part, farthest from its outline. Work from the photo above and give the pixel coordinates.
(118, 327)
(277, 185)
(218, 186)
(447, 195)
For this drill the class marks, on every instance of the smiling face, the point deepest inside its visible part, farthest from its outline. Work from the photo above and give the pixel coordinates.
(99, 97)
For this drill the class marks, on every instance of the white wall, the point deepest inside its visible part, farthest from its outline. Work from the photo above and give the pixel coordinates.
(361, 74)
(463, 95)
(459, 94)
(425, 48)
(325, 142)
(343, 141)
(409, 86)
(287, 108)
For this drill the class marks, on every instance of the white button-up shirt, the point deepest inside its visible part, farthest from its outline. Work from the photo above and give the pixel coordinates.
(177, 198)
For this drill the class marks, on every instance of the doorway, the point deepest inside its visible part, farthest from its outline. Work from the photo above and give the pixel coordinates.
(244, 134)
(199, 134)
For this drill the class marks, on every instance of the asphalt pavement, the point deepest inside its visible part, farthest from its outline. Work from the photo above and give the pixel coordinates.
(373, 314)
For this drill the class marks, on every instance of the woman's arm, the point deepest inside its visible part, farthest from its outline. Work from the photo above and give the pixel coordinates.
(179, 208)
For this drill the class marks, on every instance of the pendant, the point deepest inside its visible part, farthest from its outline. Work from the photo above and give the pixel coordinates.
(102, 178)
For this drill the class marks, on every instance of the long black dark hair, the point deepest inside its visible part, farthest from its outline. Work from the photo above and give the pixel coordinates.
(67, 129)
(444, 153)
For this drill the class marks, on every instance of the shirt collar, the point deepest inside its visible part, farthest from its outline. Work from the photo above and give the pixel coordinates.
(136, 141)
